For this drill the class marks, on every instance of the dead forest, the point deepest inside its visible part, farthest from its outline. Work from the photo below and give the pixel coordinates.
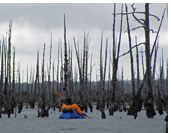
(149, 92)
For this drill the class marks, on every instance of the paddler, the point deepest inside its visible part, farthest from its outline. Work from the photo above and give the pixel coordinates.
(69, 106)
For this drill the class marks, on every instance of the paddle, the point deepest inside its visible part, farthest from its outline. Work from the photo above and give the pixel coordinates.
(59, 95)
(88, 116)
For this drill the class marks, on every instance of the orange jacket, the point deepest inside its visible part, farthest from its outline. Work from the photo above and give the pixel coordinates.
(74, 107)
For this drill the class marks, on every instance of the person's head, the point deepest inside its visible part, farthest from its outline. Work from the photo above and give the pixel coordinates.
(69, 101)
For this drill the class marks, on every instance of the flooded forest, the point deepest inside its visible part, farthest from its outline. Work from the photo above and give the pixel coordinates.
(149, 93)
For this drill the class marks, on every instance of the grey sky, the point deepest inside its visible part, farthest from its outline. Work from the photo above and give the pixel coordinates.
(33, 24)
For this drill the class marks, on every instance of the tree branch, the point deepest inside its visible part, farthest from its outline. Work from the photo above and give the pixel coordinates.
(135, 28)
(131, 49)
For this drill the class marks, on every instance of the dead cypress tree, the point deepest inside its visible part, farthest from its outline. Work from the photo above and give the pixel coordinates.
(83, 71)
(32, 100)
(103, 115)
(70, 73)
(86, 69)
(109, 80)
(115, 60)
(36, 87)
(65, 63)
(100, 92)
(160, 89)
(1, 80)
(22, 87)
(79, 68)
(9, 58)
(13, 83)
(20, 103)
(38, 81)
(154, 69)
(137, 60)
(150, 105)
(90, 90)
(13, 101)
(99, 104)
(2, 67)
(134, 102)
(27, 88)
(49, 77)
(53, 86)
(57, 76)
(61, 73)
(166, 98)
(42, 105)
(8, 76)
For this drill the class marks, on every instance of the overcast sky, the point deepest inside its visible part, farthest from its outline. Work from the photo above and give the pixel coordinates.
(34, 23)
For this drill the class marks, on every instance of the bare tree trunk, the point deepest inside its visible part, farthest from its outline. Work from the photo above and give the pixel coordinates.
(65, 63)
(102, 79)
(150, 105)
(37, 77)
(109, 81)
(2, 67)
(115, 61)
(62, 72)
(28, 92)
(9, 59)
(43, 108)
(137, 59)
(90, 90)
(134, 102)
(14, 102)
(79, 68)
(53, 87)
(154, 70)
(8, 78)
(49, 77)
(2, 78)
(57, 80)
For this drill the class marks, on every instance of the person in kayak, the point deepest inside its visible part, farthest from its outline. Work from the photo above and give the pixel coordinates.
(69, 106)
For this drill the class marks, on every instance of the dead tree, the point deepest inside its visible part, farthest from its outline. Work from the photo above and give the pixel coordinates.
(43, 106)
(102, 78)
(137, 60)
(37, 82)
(13, 101)
(20, 102)
(27, 88)
(31, 86)
(7, 87)
(53, 87)
(66, 91)
(154, 70)
(115, 60)
(49, 77)
(147, 76)
(166, 99)
(2, 78)
(109, 80)
(150, 105)
(90, 90)
(61, 72)
(132, 111)
(57, 76)
(82, 61)
(9, 59)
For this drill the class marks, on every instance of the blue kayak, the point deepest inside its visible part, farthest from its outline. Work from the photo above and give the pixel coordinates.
(72, 116)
